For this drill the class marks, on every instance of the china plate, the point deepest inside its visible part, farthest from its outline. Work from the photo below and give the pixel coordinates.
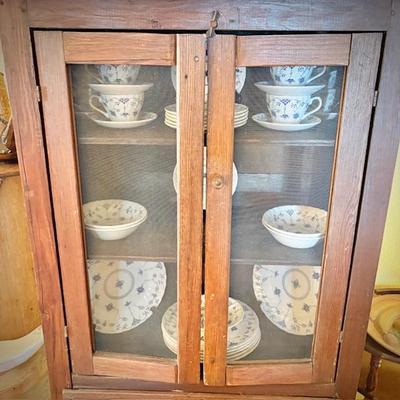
(264, 120)
(238, 335)
(145, 118)
(123, 293)
(234, 179)
(381, 305)
(288, 296)
(104, 88)
(270, 88)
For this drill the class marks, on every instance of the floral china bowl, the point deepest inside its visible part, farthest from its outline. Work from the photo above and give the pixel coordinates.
(296, 226)
(113, 219)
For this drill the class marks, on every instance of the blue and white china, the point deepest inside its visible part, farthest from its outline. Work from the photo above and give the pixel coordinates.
(120, 89)
(288, 295)
(264, 120)
(143, 119)
(119, 107)
(291, 109)
(120, 74)
(243, 337)
(296, 226)
(295, 75)
(124, 293)
(113, 219)
(271, 88)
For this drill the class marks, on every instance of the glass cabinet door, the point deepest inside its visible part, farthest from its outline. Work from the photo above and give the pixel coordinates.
(284, 179)
(136, 191)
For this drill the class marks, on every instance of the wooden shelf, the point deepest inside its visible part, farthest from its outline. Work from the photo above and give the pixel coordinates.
(156, 133)
(323, 134)
(253, 244)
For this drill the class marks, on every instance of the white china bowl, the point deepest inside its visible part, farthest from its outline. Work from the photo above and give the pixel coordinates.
(296, 226)
(113, 219)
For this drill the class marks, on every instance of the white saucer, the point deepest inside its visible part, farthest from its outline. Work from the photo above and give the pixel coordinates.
(270, 88)
(265, 121)
(103, 88)
(145, 118)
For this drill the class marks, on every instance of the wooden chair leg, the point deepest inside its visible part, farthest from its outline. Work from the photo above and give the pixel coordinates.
(372, 379)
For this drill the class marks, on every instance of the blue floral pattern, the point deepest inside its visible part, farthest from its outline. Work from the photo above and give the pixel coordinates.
(118, 73)
(124, 293)
(288, 295)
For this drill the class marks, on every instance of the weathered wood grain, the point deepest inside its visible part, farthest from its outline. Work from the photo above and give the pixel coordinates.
(21, 83)
(345, 195)
(221, 99)
(59, 132)
(116, 48)
(303, 15)
(377, 186)
(330, 49)
(130, 366)
(191, 51)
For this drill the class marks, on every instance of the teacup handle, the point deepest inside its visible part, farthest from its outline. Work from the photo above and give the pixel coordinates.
(318, 75)
(87, 67)
(94, 96)
(315, 109)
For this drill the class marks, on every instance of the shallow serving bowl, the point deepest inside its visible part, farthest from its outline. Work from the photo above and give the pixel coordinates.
(296, 226)
(113, 219)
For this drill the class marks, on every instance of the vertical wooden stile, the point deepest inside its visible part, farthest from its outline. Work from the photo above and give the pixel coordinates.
(191, 53)
(221, 102)
(59, 129)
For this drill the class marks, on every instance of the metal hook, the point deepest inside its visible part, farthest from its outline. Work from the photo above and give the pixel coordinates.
(213, 24)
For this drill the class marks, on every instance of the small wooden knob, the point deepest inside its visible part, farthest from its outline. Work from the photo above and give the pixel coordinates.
(217, 181)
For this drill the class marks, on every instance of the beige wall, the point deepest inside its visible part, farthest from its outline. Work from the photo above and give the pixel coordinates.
(389, 262)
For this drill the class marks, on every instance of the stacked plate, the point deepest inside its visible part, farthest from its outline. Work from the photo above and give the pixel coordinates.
(113, 219)
(297, 226)
(123, 294)
(244, 333)
(241, 116)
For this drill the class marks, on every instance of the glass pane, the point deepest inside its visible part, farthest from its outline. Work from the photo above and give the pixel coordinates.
(284, 154)
(127, 155)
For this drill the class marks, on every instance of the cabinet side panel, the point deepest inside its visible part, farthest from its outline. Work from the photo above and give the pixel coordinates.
(377, 186)
(31, 155)
(348, 173)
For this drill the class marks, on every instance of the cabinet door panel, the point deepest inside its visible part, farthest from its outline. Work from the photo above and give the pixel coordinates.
(126, 171)
(296, 136)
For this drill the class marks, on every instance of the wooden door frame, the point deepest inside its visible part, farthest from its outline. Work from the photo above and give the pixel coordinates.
(357, 15)
(54, 51)
(360, 53)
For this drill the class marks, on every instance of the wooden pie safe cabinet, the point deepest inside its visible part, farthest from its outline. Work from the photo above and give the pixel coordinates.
(203, 299)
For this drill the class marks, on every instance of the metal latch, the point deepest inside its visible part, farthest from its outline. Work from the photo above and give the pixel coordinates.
(213, 24)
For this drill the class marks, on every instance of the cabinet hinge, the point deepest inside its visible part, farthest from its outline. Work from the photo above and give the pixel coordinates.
(375, 101)
(66, 331)
(341, 337)
(38, 94)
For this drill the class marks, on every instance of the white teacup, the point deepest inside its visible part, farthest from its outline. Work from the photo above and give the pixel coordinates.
(123, 74)
(291, 109)
(119, 107)
(294, 75)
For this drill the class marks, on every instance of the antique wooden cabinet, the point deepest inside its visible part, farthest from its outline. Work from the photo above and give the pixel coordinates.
(207, 185)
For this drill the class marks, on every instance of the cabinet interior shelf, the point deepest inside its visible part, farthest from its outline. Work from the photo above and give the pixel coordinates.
(158, 134)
